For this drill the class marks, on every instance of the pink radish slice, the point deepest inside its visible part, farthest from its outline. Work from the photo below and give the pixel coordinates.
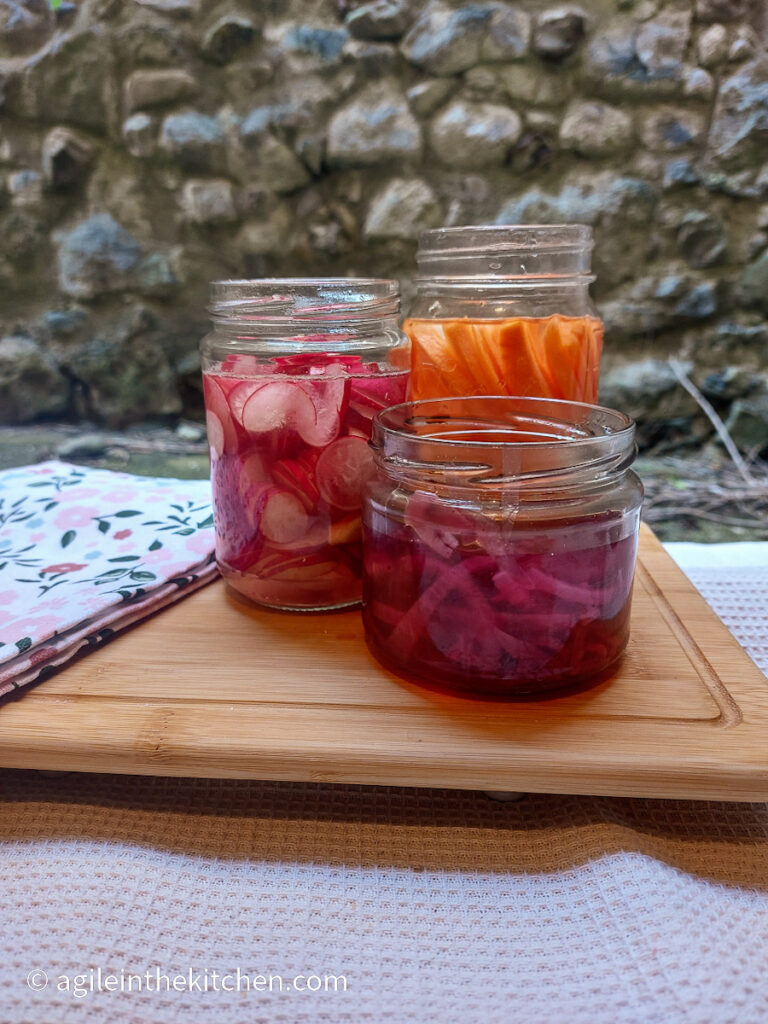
(215, 434)
(216, 403)
(239, 395)
(252, 471)
(328, 395)
(284, 518)
(342, 469)
(279, 405)
(299, 480)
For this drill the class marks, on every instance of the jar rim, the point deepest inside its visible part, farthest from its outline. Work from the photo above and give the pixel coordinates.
(547, 253)
(494, 437)
(278, 300)
(504, 237)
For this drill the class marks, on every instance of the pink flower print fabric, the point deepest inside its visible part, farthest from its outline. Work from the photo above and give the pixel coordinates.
(85, 553)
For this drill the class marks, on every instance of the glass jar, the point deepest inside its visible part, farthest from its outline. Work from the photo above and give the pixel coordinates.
(505, 310)
(499, 543)
(293, 373)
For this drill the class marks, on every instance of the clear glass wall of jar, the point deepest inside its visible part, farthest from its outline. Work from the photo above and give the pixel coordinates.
(293, 373)
(505, 310)
(499, 543)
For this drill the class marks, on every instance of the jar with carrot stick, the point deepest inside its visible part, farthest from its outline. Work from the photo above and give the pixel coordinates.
(505, 310)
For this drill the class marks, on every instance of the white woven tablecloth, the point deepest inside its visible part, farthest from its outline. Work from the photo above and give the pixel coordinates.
(441, 906)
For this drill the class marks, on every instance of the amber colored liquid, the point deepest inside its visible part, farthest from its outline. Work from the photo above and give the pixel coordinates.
(542, 357)
(550, 611)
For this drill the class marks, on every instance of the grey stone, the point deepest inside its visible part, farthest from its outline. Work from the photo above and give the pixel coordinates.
(507, 36)
(22, 235)
(744, 45)
(72, 81)
(680, 172)
(426, 97)
(208, 201)
(227, 37)
(739, 125)
(445, 41)
(701, 239)
(151, 43)
(721, 10)
(595, 128)
(752, 284)
(728, 383)
(698, 84)
(25, 188)
(371, 59)
(532, 85)
(376, 126)
(402, 209)
(381, 19)
(25, 25)
(747, 422)
(649, 391)
(617, 206)
(139, 135)
(481, 83)
(97, 256)
(698, 302)
(156, 87)
(712, 46)
(156, 276)
(66, 157)
(612, 54)
(265, 158)
(474, 134)
(667, 128)
(192, 138)
(662, 42)
(65, 323)
(127, 379)
(326, 44)
(31, 384)
(558, 32)
(178, 8)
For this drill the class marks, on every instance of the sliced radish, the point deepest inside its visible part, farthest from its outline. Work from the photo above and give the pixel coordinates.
(240, 394)
(328, 395)
(297, 476)
(342, 469)
(215, 434)
(279, 405)
(244, 366)
(284, 518)
(216, 404)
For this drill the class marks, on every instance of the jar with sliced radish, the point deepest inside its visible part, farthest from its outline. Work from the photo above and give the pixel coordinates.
(293, 374)
(499, 543)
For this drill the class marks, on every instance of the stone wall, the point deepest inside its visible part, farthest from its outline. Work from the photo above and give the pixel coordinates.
(148, 146)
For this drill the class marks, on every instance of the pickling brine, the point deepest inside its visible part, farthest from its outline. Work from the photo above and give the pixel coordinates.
(454, 600)
(289, 420)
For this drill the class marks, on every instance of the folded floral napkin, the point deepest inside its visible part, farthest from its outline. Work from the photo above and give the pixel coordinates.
(85, 553)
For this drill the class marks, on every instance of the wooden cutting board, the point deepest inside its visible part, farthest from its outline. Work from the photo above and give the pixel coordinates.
(213, 688)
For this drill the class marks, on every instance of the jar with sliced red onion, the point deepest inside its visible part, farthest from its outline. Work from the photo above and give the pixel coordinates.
(499, 543)
(293, 374)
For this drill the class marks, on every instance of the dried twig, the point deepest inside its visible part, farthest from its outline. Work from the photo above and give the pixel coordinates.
(714, 419)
